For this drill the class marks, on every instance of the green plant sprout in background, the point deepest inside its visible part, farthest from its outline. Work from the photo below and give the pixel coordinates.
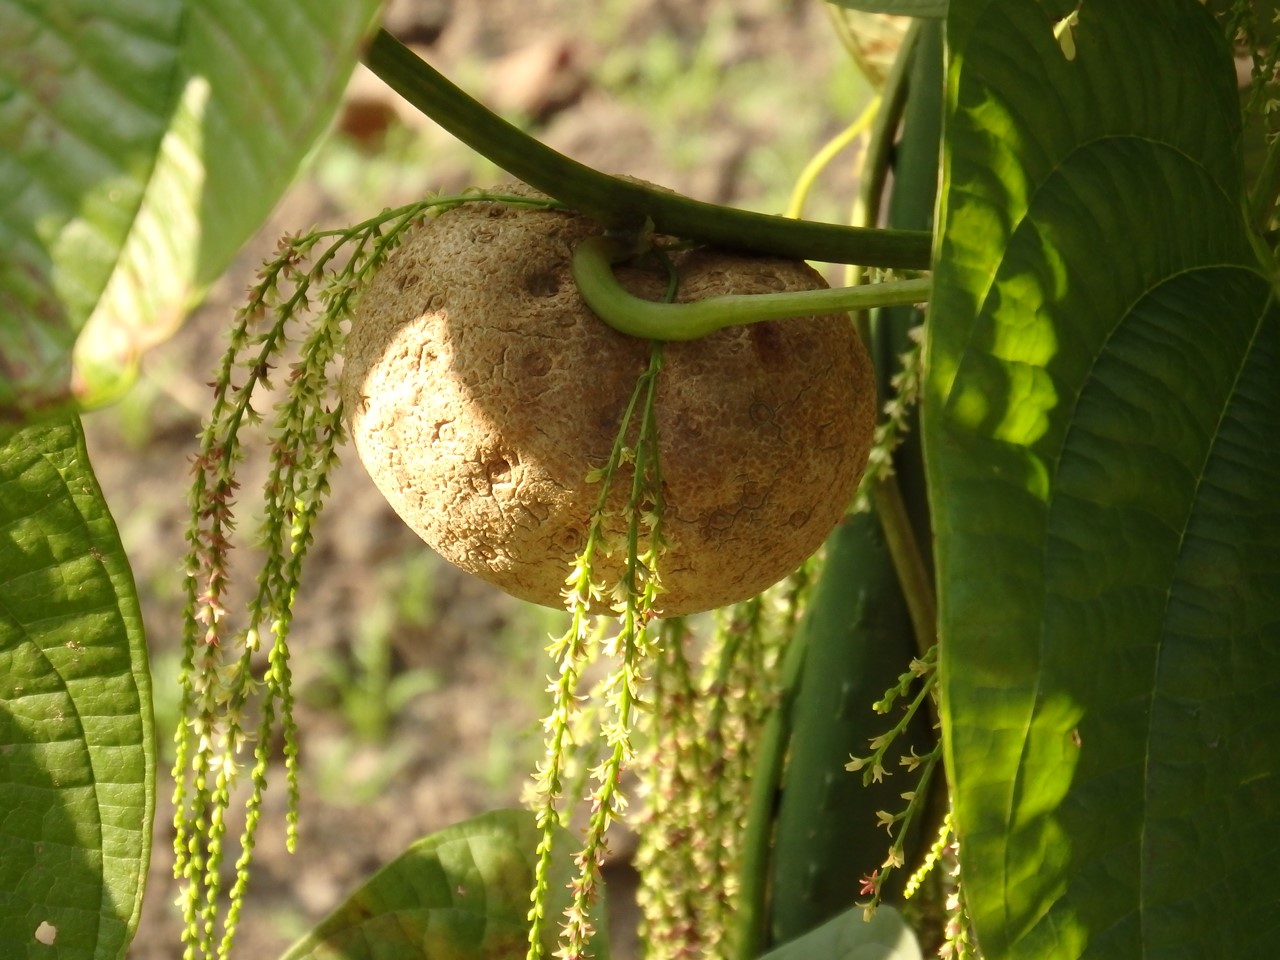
(1061, 589)
(369, 692)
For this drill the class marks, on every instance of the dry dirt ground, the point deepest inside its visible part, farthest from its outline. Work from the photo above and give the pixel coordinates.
(720, 100)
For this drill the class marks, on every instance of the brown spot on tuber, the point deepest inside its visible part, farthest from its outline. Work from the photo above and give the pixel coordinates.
(480, 390)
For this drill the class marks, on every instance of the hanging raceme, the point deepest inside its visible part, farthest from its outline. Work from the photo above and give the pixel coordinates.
(235, 675)
(628, 653)
(895, 420)
(918, 683)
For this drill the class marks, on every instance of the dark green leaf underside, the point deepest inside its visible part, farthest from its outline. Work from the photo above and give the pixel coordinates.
(1103, 383)
(77, 765)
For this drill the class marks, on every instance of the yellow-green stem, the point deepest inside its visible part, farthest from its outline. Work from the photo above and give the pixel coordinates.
(908, 561)
(822, 159)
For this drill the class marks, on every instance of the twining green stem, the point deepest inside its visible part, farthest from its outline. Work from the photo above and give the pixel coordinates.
(893, 101)
(771, 752)
(627, 204)
(908, 561)
(823, 158)
(593, 272)
(904, 550)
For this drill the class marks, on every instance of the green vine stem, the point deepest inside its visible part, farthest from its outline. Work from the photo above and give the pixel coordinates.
(893, 102)
(1266, 189)
(904, 549)
(753, 872)
(626, 204)
(908, 561)
(652, 320)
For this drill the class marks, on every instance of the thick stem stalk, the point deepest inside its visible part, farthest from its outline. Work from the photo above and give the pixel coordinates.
(753, 872)
(626, 204)
(908, 560)
(1266, 189)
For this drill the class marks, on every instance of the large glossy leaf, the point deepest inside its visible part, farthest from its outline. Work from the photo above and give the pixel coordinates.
(140, 146)
(77, 763)
(1100, 427)
(460, 894)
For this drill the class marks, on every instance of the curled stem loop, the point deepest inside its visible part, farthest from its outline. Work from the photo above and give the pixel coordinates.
(592, 269)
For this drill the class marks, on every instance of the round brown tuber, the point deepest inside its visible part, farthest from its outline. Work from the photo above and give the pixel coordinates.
(480, 391)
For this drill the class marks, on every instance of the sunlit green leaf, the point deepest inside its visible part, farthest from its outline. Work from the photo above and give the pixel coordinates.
(1103, 388)
(460, 894)
(77, 763)
(140, 146)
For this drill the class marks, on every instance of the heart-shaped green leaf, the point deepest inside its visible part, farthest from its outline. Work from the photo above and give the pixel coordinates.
(77, 761)
(853, 936)
(460, 894)
(140, 146)
(1102, 399)
(909, 8)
